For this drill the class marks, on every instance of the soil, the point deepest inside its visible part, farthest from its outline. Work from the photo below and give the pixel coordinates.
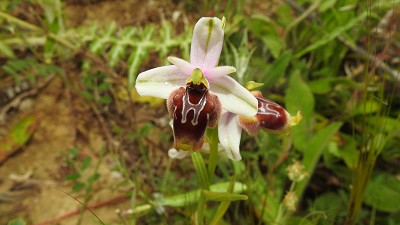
(33, 181)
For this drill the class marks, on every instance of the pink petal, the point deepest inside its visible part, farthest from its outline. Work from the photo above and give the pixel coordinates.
(207, 43)
(216, 72)
(184, 66)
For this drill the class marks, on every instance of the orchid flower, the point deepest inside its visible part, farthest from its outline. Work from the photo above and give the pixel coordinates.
(270, 117)
(197, 91)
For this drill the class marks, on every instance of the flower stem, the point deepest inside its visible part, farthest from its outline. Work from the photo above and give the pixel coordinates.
(201, 170)
(213, 140)
(199, 215)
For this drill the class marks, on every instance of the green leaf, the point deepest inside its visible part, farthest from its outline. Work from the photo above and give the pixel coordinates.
(86, 162)
(333, 34)
(348, 152)
(266, 30)
(6, 51)
(100, 43)
(93, 178)
(299, 97)
(105, 99)
(86, 94)
(277, 69)
(223, 206)
(192, 197)
(325, 5)
(13, 72)
(73, 176)
(117, 52)
(138, 55)
(313, 151)
(19, 134)
(17, 221)
(201, 170)
(330, 202)
(104, 86)
(73, 153)
(78, 186)
(383, 193)
(223, 196)
(274, 43)
(383, 123)
(367, 107)
(321, 86)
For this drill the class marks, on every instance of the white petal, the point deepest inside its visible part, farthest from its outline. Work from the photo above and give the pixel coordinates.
(160, 82)
(184, 66)
(229, 132)
(216, 72)
(207, 43)
(234, 97)
(175, 154)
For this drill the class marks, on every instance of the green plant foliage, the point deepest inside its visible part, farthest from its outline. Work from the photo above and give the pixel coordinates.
(304, 55)
(383, 193)
(18, 221)
(266, 30)
(18, 136)
(28, 69)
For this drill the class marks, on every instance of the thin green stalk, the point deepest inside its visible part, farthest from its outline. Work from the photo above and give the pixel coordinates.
(302, 17)
(19, 22)
(201, 170)
(33, 27)
(212, 163)
(205, 175)
(361, 176)
(223, 206)
(200, 209)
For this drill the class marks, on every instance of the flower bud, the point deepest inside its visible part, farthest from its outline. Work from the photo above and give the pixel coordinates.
(290, 200)
(296, 171)
(270, 116)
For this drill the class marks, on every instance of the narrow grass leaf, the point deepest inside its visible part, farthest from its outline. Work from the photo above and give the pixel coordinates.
(277, 69)
(201, 170)
(223, 196)
(6, 51)
(333, 34)
(192, 197)
(224, 205)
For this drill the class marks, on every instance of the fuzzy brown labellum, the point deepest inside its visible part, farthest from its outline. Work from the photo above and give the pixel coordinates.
(270, 116)
(192, 110)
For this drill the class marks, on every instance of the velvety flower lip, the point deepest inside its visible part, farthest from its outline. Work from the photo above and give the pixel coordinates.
(205, 51)
(270, 117)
